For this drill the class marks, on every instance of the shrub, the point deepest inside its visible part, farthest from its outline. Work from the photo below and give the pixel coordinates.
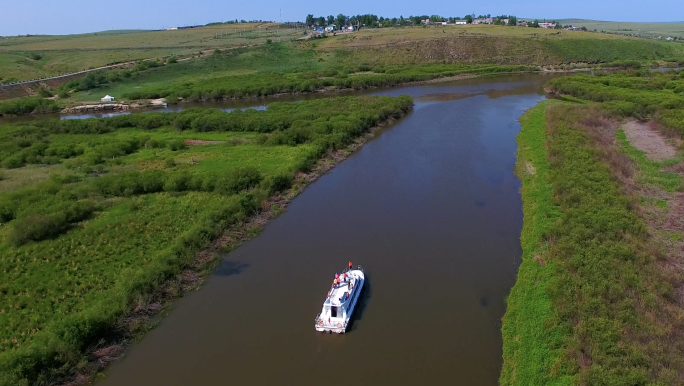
(172, 60)
(238, 180)
(177, 144)
(36, 227)
(43, 93)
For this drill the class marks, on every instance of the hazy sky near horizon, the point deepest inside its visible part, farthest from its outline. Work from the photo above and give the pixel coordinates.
(20, 17)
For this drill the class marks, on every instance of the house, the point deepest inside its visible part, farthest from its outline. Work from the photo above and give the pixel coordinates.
(426, 21)
(488, 20)
(330, 28)
(460, 22)
(441, 23)
(107, 98)
(548, 24)
(172, 28)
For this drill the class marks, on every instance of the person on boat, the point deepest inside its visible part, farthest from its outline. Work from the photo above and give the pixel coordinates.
(350, 265)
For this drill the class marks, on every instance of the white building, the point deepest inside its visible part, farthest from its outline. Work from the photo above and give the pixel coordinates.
(460, 22)
(107, 98)
(548, 24)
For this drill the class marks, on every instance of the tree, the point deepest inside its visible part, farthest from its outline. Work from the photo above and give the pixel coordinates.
(331, 20)
(309, 20)
(534, 24)
(469, 19)
(341, 21)
(512, 20)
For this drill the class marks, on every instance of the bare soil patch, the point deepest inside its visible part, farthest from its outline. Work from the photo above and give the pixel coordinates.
(646, 138)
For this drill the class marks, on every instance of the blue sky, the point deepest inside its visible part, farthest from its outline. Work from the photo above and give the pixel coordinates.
(18, 17)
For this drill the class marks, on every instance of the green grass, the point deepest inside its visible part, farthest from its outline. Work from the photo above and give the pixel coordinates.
(582, 310)
(642, 94)
(626, 28)
(70, 53)
(113, 218)
(533, 350)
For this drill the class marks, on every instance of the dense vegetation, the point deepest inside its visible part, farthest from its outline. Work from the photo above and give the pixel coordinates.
(634, 93)
(592, 303)
(266, 70)
(126, 204)
(28, 105)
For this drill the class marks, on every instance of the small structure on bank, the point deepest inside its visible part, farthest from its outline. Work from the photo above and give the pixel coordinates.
(107, 98)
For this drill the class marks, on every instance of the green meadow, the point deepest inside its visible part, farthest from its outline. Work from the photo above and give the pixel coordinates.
(97, 214)
(595, 300)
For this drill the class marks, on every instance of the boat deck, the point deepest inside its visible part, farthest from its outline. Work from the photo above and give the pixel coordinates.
(339, 293)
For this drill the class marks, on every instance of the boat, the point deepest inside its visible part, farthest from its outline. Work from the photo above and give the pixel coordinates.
(341, 301)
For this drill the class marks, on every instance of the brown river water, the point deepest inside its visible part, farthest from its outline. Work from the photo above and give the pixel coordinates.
(431, 209)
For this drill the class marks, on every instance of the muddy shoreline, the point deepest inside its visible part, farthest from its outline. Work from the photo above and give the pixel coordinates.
(144, 316)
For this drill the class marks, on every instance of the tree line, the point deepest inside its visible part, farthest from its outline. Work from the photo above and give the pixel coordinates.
(370, 20)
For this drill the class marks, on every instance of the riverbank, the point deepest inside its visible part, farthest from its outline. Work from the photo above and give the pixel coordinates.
(145, 315)
(158, 219)
(600, 257)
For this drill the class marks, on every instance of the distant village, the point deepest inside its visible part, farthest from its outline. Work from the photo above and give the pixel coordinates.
(342, 23)
(345, 24)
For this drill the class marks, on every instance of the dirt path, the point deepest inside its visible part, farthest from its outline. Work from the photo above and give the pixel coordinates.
(647, 139)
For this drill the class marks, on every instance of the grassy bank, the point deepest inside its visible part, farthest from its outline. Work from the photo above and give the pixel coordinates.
(531, 347)
(595, 302)
(126, 205)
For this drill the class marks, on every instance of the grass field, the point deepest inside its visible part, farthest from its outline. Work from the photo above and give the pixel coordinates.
(97, 214)
(649, 30)
(69, 53)
(596, 297)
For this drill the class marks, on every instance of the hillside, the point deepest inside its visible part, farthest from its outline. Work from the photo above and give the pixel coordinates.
(37, 56)
(367, 58)
(649, 30)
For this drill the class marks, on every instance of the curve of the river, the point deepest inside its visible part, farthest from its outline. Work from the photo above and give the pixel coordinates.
(431, 208)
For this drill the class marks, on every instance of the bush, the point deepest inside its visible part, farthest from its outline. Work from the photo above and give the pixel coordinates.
(177, 144)
(238, 180)
(28, 105)
(172, 60)
(278, 182)
(36, 227)
(43, 93)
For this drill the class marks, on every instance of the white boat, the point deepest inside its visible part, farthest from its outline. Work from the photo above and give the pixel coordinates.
(341, 301)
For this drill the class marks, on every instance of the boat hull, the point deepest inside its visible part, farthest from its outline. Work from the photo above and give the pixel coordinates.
(339, 325)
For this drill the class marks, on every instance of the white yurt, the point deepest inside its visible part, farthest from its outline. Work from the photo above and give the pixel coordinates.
(107, 98)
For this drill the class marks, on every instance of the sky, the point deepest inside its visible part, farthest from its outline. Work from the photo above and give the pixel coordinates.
(59, 17)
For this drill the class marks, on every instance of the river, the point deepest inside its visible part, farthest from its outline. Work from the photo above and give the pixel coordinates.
(431, 208)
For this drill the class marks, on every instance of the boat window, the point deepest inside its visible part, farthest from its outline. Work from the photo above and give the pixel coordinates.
(333, 312)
